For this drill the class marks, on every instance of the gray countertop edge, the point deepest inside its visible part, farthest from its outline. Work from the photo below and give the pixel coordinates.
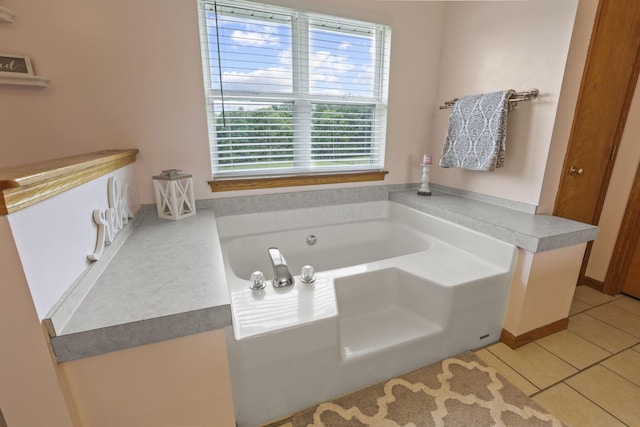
(534, 233)
(119, 337)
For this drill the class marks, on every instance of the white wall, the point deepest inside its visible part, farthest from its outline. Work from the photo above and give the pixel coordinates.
(55, 236)
(123, 75)
(491, 46)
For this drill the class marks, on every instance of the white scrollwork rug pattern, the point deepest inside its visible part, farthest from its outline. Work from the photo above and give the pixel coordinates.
(459, 391)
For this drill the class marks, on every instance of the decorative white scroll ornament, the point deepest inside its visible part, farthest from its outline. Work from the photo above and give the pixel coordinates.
(112, 219)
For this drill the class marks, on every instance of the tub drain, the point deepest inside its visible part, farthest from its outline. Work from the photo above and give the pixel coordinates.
(311, 240)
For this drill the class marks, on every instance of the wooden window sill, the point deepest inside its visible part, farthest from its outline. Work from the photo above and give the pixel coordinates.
(254, 183)
(26, 185)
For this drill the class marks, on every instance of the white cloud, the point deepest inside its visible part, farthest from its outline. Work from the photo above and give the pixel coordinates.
(329, 73)
(284, 57)
(365, 76)
(246, 38)
(273, 79)
(326, 63)
(256, 35)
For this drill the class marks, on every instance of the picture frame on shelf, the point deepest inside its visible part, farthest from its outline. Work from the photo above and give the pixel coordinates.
(13, 65)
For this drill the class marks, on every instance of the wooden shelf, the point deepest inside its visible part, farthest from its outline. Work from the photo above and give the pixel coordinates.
(25, 185)
(24, 80)
(6, 15)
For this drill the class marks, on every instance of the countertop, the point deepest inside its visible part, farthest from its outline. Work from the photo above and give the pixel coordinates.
(167, 280)
(535, 233)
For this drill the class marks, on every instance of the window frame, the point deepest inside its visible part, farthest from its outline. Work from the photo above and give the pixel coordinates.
(302, 100)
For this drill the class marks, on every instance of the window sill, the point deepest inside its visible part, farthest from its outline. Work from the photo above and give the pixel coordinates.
(255, 183)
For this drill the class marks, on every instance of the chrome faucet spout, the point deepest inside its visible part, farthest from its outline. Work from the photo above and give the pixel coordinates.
(281, 275)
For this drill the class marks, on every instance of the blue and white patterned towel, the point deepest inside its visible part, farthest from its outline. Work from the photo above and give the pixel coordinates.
(477, 132)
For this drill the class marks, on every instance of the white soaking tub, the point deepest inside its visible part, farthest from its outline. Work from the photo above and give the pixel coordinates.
(396, 289)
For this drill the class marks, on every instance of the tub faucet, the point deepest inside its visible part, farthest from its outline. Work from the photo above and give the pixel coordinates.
(282, 276)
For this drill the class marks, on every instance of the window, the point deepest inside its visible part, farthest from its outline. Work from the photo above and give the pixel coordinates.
(290, 92)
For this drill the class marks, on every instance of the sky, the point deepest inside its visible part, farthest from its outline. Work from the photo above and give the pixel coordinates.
(256, 52)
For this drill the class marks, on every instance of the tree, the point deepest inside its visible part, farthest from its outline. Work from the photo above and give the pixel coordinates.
(339, 133)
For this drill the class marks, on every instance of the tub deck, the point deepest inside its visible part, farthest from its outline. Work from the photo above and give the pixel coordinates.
(112, 329)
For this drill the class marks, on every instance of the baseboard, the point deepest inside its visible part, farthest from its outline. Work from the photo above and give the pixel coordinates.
(514, 342)
(592, 283)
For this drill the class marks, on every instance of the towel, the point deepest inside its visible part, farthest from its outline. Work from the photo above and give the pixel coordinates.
(477, 132)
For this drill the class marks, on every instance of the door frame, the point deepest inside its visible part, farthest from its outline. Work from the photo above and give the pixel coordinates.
(588, 81)
(625, 243)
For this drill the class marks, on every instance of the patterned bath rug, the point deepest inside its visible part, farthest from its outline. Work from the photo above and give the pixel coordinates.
(459, 391)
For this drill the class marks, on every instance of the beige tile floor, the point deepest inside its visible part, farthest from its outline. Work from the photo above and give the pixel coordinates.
(587, 375)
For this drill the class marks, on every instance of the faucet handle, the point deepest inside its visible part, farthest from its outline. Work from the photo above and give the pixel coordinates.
(308, 274)
(257, 281)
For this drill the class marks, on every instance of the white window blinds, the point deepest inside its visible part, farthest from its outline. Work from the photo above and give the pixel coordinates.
(292, 92)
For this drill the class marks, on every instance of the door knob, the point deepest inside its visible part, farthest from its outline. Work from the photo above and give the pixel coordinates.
(575, 171)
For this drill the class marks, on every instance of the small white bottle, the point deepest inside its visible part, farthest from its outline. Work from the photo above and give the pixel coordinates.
(426, 165)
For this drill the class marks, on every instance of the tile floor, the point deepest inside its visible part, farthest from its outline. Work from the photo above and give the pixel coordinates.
(587, 375)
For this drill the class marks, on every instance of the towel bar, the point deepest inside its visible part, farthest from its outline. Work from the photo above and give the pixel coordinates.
(515, 98)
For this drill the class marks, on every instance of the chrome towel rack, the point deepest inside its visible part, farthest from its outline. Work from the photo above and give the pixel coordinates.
(513, 99)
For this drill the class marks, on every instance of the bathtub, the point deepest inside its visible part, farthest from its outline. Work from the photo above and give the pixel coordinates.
(395, 289)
